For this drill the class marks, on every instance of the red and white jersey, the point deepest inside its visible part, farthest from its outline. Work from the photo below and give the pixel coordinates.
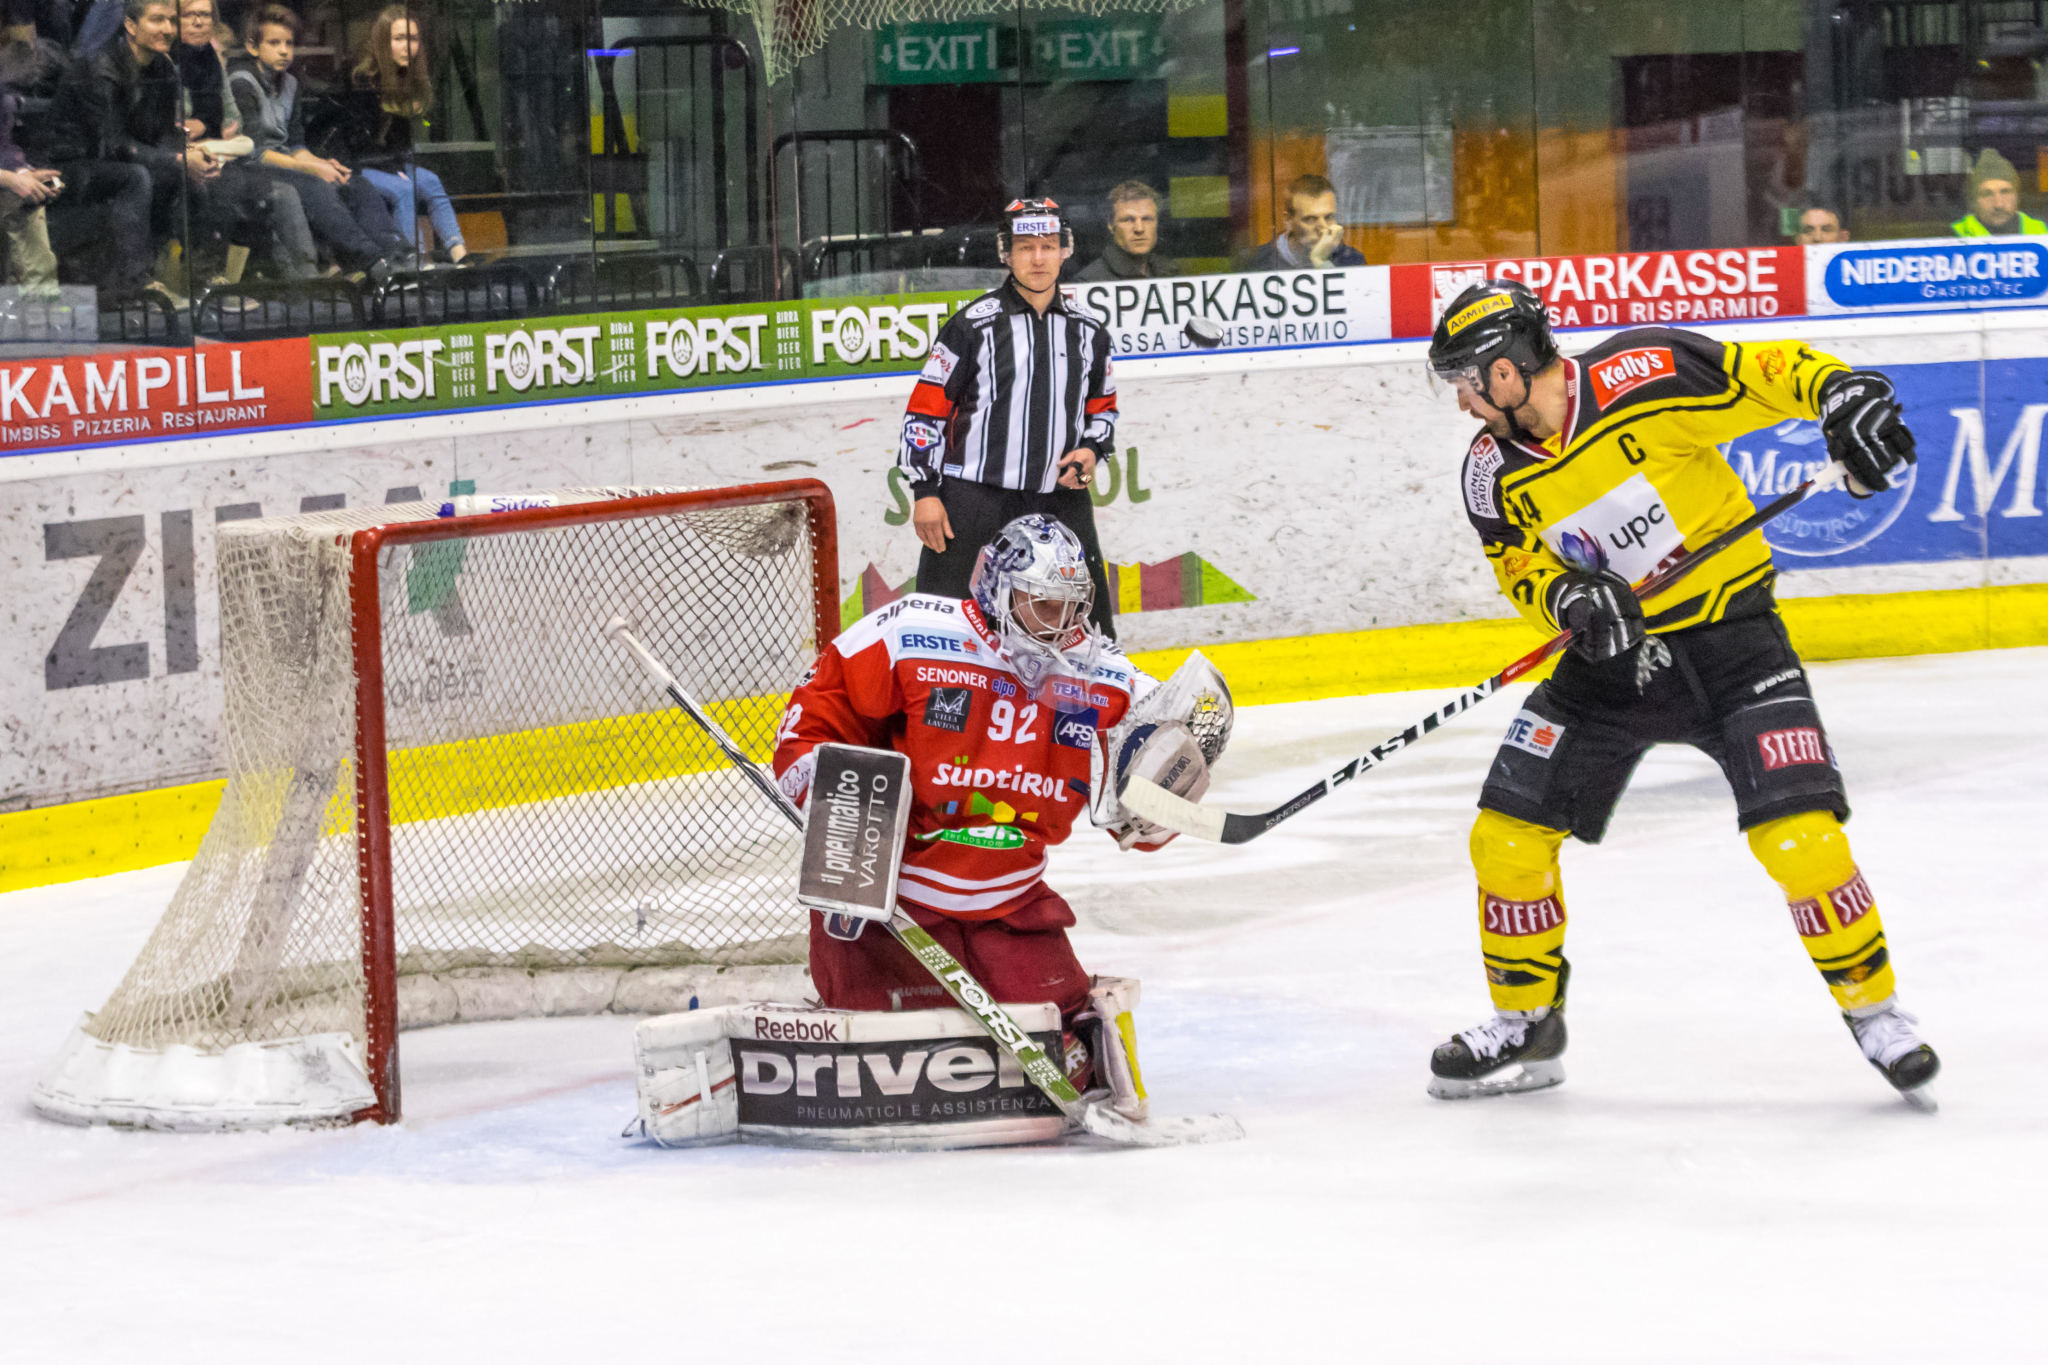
(997, 778)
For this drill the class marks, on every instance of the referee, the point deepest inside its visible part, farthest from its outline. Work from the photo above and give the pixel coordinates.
(1014, 409)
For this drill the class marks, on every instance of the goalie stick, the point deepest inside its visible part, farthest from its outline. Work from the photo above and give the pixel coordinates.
(1154, 803)
(1093, 1116)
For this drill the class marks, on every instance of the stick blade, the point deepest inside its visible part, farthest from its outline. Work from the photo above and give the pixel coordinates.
(1179, 1131)
(1150, 801)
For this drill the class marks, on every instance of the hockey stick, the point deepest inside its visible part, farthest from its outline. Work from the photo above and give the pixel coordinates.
(1152, 802)
(968, 993)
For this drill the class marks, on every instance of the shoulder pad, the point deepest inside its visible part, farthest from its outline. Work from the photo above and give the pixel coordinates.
(1482, 478)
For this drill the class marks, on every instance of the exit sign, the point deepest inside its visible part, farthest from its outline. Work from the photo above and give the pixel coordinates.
(1124, 48)
(945, 54)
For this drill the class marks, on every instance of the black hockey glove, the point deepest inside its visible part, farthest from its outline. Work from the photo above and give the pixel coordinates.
(1865, 435)
(1601, 611)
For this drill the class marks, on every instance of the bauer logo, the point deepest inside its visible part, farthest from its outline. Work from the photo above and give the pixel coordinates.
(1629, 370)
(377, 372)
(846, 1085)
(1533, 734)
(1778, 459)
(1791, 748)
(857, 335)
(1891, 277)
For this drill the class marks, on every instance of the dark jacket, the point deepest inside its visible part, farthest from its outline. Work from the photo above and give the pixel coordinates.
(1279, 254)
(1117, 264)
(205, 85)
(109, 108)
(273, 115)
(364, 133)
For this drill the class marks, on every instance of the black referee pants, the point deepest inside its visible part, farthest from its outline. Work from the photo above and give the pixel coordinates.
(979, 510)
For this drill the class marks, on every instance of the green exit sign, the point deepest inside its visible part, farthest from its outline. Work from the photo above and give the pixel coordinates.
(1123, 48)
(945, 54)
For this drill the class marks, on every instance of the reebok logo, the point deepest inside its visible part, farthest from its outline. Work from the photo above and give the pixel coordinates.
(1517, 919)
(797, 1030)
(1630, 370)
(1790, 748)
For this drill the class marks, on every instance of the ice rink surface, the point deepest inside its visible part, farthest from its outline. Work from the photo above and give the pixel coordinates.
(1722, 1177)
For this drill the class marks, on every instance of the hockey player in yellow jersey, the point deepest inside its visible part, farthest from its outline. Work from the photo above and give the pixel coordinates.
(1592, 473)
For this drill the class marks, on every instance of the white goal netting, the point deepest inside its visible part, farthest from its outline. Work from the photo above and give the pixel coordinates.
(558, 840)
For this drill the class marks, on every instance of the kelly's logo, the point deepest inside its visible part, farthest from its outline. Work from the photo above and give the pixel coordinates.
(1631, 369)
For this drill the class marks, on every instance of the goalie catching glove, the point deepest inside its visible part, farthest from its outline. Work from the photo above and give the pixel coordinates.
(1865, 434)
(1164, 752)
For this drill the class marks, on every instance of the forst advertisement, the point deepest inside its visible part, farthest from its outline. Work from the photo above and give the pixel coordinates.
(565, 359)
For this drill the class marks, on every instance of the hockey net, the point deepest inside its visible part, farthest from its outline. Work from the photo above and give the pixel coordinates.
(791, 30)
(450, 797)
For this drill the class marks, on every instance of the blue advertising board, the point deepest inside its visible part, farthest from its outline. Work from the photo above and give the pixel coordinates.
(1941, 273)
(1975, 493)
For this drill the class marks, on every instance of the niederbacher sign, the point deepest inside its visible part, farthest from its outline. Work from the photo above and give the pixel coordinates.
(1960, 273)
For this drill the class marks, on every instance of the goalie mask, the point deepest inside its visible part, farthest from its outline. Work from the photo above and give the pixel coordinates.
(1033, 587)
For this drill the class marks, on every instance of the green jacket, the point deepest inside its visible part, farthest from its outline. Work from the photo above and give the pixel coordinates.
(1968, 226)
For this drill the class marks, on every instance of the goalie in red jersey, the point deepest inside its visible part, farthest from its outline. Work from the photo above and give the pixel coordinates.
(1017, 717)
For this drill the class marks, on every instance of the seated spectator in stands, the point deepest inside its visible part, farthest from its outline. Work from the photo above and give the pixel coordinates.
(115, 137)
(1819, 223)
(1995, 196)
(1314, 239)
(345, 213)
(210, 116)
(24, 189)
(389, 92)
(1133, 250)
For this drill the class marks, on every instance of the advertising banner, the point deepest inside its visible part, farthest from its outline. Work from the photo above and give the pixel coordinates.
(605, 355)
(1975, 493)
(117, 396)
(1940, 273)
(1258, 312)
(1628, 289)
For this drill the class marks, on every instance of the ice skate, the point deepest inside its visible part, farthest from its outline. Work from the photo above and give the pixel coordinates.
(1885, 1033)
(1515, 1050)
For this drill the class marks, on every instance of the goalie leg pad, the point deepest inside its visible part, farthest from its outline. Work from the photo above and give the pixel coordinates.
(1113, 1039)
(914, 1080)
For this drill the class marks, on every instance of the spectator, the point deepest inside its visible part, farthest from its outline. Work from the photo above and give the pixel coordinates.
(1818, 223)
(1995, 196)
(128, 173)
(345, 213)
(1132, 253)
(24, 189)
(243, 193)
(1314, 239)
(389, 89)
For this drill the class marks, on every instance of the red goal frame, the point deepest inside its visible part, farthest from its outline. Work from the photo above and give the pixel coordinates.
(373, 833)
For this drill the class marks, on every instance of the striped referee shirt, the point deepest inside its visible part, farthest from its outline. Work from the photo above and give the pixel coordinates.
(1006, 392)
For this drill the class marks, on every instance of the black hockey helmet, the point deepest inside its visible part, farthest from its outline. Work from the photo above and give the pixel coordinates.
(1489, 321)
(1034, 218)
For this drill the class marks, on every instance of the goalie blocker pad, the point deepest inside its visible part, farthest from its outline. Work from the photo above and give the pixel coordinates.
(916, 1080)
(856, 824)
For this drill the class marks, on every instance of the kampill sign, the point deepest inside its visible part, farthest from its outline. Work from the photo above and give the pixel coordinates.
(1629, 289)
(120, 396)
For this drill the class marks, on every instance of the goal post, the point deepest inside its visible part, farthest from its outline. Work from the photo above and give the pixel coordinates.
(450, 798)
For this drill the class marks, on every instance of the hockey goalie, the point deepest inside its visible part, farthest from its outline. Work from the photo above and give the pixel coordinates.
(1017, 718)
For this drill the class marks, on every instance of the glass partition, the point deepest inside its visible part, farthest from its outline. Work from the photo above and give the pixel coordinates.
(349, 165)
